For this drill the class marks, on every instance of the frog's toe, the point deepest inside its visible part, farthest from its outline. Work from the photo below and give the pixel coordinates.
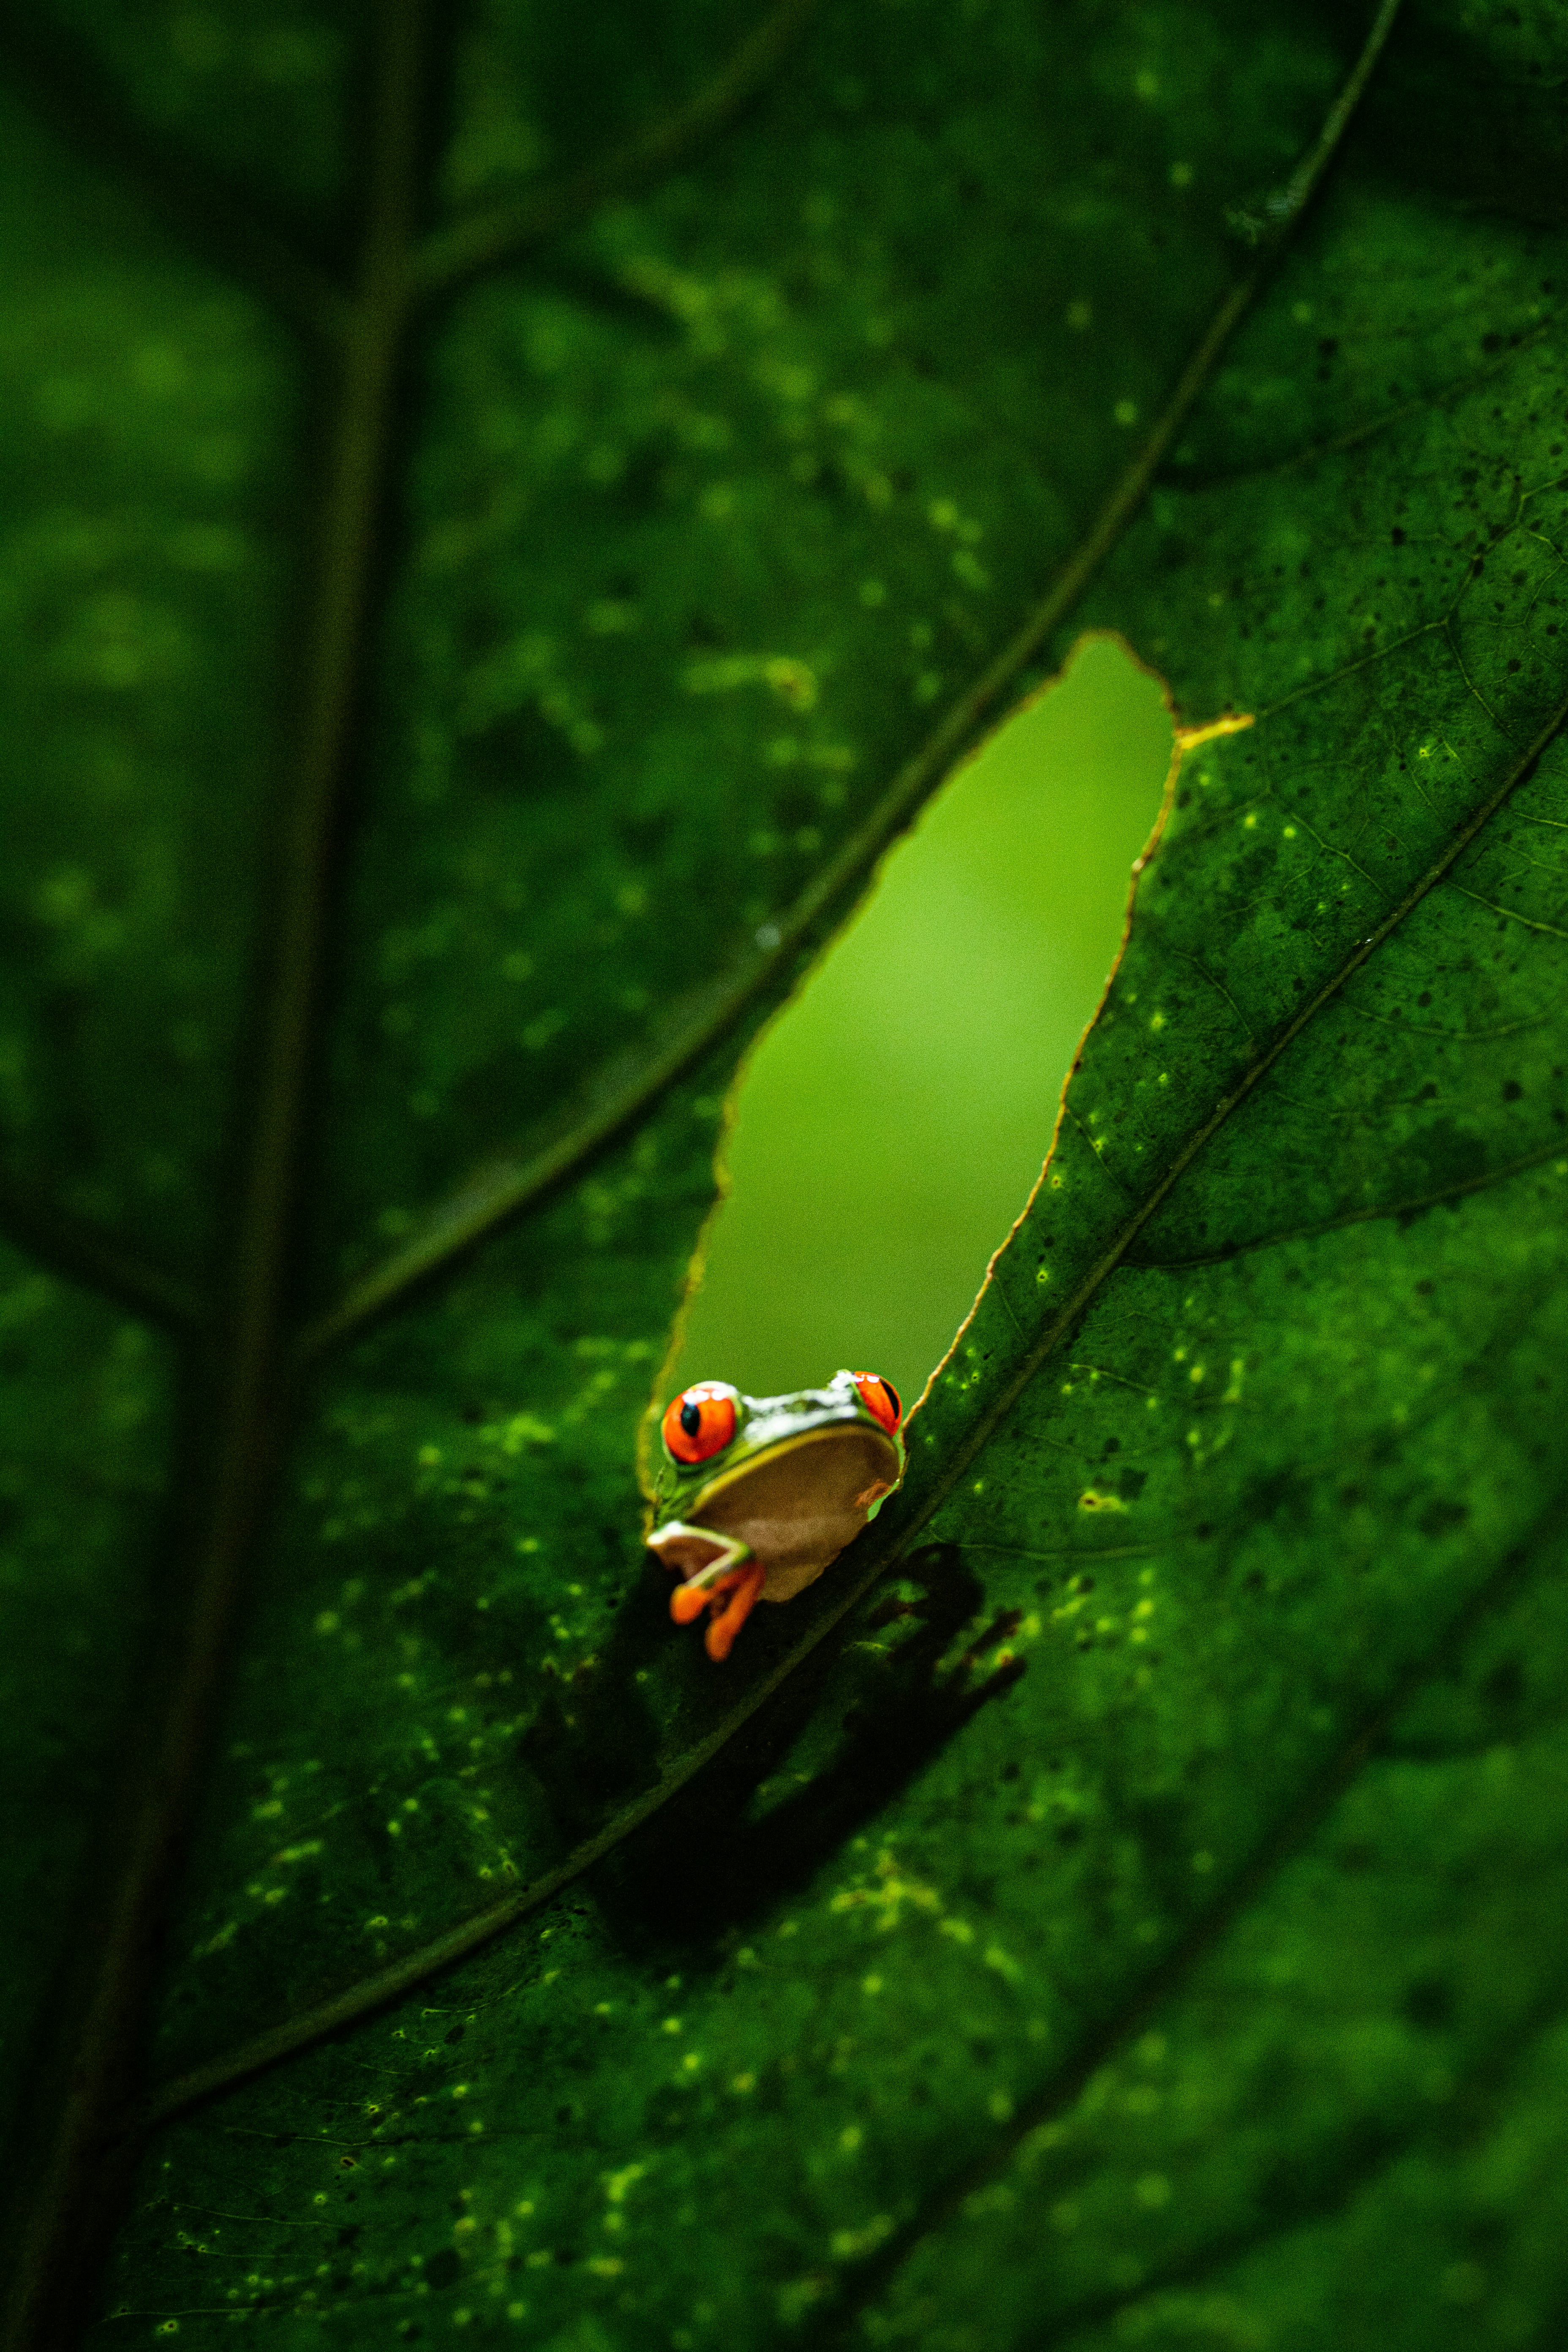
(744, 1589)
(688, 1602)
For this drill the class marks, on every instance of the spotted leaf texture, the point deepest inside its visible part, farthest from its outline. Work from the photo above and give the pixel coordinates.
(508, 513)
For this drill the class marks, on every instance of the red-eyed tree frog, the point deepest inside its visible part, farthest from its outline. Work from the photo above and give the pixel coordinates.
(754, 1497)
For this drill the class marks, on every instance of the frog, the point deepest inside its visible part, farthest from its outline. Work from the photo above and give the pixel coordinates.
(755, 1496)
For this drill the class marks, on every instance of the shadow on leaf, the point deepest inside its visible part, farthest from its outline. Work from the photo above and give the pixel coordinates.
(851, 1728)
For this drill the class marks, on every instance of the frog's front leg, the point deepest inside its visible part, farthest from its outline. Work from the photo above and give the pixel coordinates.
(714, 1568)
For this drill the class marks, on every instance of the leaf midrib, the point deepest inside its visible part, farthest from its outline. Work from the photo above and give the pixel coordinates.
(244, 1420)
(248, 1408)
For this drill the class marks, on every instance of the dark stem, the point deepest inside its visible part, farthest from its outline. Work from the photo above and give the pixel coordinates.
(91, 1254)
(62, 2240)
(496, 1196)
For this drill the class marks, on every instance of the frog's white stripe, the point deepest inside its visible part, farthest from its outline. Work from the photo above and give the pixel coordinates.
(732, 1551)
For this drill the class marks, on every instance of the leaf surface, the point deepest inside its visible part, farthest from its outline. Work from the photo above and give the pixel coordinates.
(1118, 1903)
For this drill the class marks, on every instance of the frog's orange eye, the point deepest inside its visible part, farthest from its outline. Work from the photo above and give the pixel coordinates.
(699, 1421)
(880, 1398)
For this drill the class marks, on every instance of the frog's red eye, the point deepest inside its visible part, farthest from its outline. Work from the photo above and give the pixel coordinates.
(880, 1398)
(699, 1421)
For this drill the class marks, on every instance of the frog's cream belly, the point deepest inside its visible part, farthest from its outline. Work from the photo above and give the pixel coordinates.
(796, 1512)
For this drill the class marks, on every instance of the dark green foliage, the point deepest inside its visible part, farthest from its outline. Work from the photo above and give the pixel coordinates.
(1123, 1903)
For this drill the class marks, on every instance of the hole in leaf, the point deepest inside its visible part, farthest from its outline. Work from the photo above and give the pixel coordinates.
(891, 1124)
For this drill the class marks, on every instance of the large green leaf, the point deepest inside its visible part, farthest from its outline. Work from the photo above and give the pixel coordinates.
(506, 519)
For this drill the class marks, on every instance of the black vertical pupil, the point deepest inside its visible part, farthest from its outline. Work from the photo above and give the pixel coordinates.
(692, 1419)
(891, 1393)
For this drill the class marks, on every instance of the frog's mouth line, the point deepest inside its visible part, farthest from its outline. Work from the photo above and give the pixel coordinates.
(791, 1445)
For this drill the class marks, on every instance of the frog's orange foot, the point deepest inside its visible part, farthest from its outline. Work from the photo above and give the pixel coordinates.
(743, 1586)
(737, 1588)
(715, 1568)
(688, 1602)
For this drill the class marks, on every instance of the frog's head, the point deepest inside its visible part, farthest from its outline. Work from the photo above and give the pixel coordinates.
(755, 1496)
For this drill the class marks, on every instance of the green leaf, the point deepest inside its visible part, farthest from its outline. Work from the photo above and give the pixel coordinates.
(506, 519)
